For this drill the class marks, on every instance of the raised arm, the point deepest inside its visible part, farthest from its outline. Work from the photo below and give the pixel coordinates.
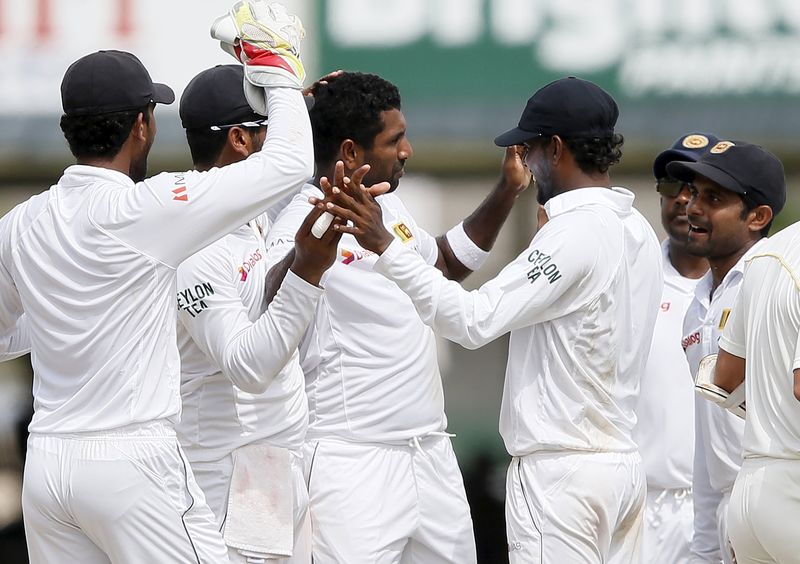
(465, 247)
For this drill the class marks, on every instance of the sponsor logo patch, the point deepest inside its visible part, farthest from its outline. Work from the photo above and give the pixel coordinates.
(542, 265)
(179, 191)
(192, 299)
(403, 232)
(692, 339)
(248, 264)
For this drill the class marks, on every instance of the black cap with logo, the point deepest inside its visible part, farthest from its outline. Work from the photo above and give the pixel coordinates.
(686, 148)
(569, 107)
(215, 98)
(110, 81)
(740, 167)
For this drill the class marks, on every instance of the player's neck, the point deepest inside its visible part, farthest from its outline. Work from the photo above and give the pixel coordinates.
(721, 266)
(118, 163)
(688, 266)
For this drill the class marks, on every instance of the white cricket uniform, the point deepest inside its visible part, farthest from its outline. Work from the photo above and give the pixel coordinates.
(91, 263)
(384, 484)
(718, 432)
(665, 427)
(764, 329)
(580, 303)
(241, 381)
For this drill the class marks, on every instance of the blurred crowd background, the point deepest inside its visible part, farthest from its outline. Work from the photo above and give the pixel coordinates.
(465, 69)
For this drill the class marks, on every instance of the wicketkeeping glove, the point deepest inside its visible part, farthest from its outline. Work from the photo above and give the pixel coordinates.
(265, 38)
(704, 385)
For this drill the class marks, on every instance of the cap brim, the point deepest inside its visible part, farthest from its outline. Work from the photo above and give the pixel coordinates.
(670, 155)
(162, 94)
(514, 136)
(687, 171)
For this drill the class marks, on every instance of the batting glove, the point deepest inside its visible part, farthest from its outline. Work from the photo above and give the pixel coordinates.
(265, 38)
(704, 385)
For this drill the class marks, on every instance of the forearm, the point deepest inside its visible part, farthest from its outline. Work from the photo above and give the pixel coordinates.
(276, 275)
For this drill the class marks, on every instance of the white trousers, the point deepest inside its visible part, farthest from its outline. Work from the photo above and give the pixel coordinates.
(384, 504)
(123, 496)
(214, 478)
(575, 507)
(668, 526)
(764, 512)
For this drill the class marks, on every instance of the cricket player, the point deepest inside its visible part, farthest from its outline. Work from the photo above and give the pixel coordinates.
(730, 212)
(244, 401)
(580, 303)
(90, 265)
(384, 484)
(761, 340)
(664, 428)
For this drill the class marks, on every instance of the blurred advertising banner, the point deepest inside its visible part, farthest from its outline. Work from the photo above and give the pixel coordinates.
(714, 63)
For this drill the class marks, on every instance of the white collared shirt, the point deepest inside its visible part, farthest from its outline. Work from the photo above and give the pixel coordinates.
(764, 328)
(580, 303)
(665, 411)
(241, 380)
(91, 263)
(370, 364)
(718, 432)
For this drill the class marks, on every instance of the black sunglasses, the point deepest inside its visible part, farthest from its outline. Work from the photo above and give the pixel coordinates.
(258, 123)
(670, 187)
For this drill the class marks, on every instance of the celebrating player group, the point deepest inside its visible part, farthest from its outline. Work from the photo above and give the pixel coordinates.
(238, 363)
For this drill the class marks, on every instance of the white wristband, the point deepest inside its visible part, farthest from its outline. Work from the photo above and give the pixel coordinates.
(465, 250)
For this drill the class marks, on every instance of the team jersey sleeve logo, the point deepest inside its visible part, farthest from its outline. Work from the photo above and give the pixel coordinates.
(723, 319)
(193, 299)
(403, 232)
(542, 264)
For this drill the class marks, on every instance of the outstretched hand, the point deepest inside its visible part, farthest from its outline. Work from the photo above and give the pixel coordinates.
(348, 199)
(312, 255)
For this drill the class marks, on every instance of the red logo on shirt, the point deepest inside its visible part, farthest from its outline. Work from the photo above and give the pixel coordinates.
(180, 193)
(692, 339)
(248, 265)
(665, 306)
(350, 256)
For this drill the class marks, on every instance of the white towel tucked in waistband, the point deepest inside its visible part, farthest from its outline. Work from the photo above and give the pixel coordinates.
(260, 520)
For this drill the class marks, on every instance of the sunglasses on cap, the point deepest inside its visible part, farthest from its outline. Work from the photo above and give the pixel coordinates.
(258, 123)
(670, 187)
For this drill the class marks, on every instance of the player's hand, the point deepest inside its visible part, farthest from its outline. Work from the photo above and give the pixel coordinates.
(515, 175)
(312, 90)
(349, 199)
(313, 256)
(265, 38)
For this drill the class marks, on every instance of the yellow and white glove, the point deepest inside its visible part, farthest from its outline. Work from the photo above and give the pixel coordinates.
(265, 38)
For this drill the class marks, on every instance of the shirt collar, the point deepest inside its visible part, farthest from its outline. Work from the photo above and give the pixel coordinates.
(703, 290)
(618, 199)
(80, 175)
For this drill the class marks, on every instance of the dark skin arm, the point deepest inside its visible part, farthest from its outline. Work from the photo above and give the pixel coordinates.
(483, 225)
(350, 201)
(309, 253)
(309, 258)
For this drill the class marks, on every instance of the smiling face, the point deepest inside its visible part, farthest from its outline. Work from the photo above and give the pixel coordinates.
(718, 224)
(389, 152)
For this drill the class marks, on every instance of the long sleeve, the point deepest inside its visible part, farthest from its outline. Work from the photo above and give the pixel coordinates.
(172, 215)
(249, 353)
(546, 281)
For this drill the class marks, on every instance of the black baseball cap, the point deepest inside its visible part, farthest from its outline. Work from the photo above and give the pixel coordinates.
(740, 167)
(689, 147)
(110, 81)
(570, 107)
(215, 97)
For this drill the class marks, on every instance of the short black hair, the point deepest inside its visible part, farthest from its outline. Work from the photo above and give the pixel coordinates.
(596, 154)
(102, 135)
(349, 107)
(205, 145)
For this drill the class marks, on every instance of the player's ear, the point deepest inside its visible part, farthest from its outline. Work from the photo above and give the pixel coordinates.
(349, 151)
(555, 149)
(140, 128)
(758, 218)
(239, 141)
